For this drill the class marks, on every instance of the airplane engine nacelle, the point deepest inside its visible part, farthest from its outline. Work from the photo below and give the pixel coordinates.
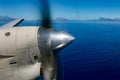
(20, 42)
(19, 51)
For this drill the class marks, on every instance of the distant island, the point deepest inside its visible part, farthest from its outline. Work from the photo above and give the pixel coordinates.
(61, 19)
(7, 18)
(99, 19)
(106, 19)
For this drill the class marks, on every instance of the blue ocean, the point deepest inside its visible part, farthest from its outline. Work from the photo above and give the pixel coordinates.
(95, 53)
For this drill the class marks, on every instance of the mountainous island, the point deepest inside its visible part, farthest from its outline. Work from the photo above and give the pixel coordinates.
(106, 19)
(7, 18)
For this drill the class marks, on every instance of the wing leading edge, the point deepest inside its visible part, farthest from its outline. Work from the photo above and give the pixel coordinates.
(13, 23)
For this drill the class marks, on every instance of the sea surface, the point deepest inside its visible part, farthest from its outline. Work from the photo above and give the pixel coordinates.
(95, 53)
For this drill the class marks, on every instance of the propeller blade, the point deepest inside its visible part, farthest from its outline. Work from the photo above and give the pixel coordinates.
(45, 14)
(50, 40)
(50, 67)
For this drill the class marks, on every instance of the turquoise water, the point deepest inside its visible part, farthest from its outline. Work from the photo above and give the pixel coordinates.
(95, 53)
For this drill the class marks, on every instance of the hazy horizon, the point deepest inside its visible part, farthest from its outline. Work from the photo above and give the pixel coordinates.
(61, 18)
(72, 9)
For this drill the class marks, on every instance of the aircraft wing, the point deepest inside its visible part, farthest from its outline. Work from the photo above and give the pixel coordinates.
(13, 23)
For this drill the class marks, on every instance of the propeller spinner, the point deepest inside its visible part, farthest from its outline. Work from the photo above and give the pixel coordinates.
(50, 41)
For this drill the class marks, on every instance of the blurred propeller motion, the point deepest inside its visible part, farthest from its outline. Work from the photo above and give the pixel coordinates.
(52, 40)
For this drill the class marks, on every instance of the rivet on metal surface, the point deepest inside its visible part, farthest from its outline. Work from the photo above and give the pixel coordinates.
(7, 34)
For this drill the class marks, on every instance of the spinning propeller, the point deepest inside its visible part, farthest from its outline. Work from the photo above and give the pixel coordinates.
(50, 41)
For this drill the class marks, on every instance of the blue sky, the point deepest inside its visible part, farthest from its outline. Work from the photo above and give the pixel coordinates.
(71, 9)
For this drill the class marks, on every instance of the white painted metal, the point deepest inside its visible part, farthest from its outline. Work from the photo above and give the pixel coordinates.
(22, 44)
